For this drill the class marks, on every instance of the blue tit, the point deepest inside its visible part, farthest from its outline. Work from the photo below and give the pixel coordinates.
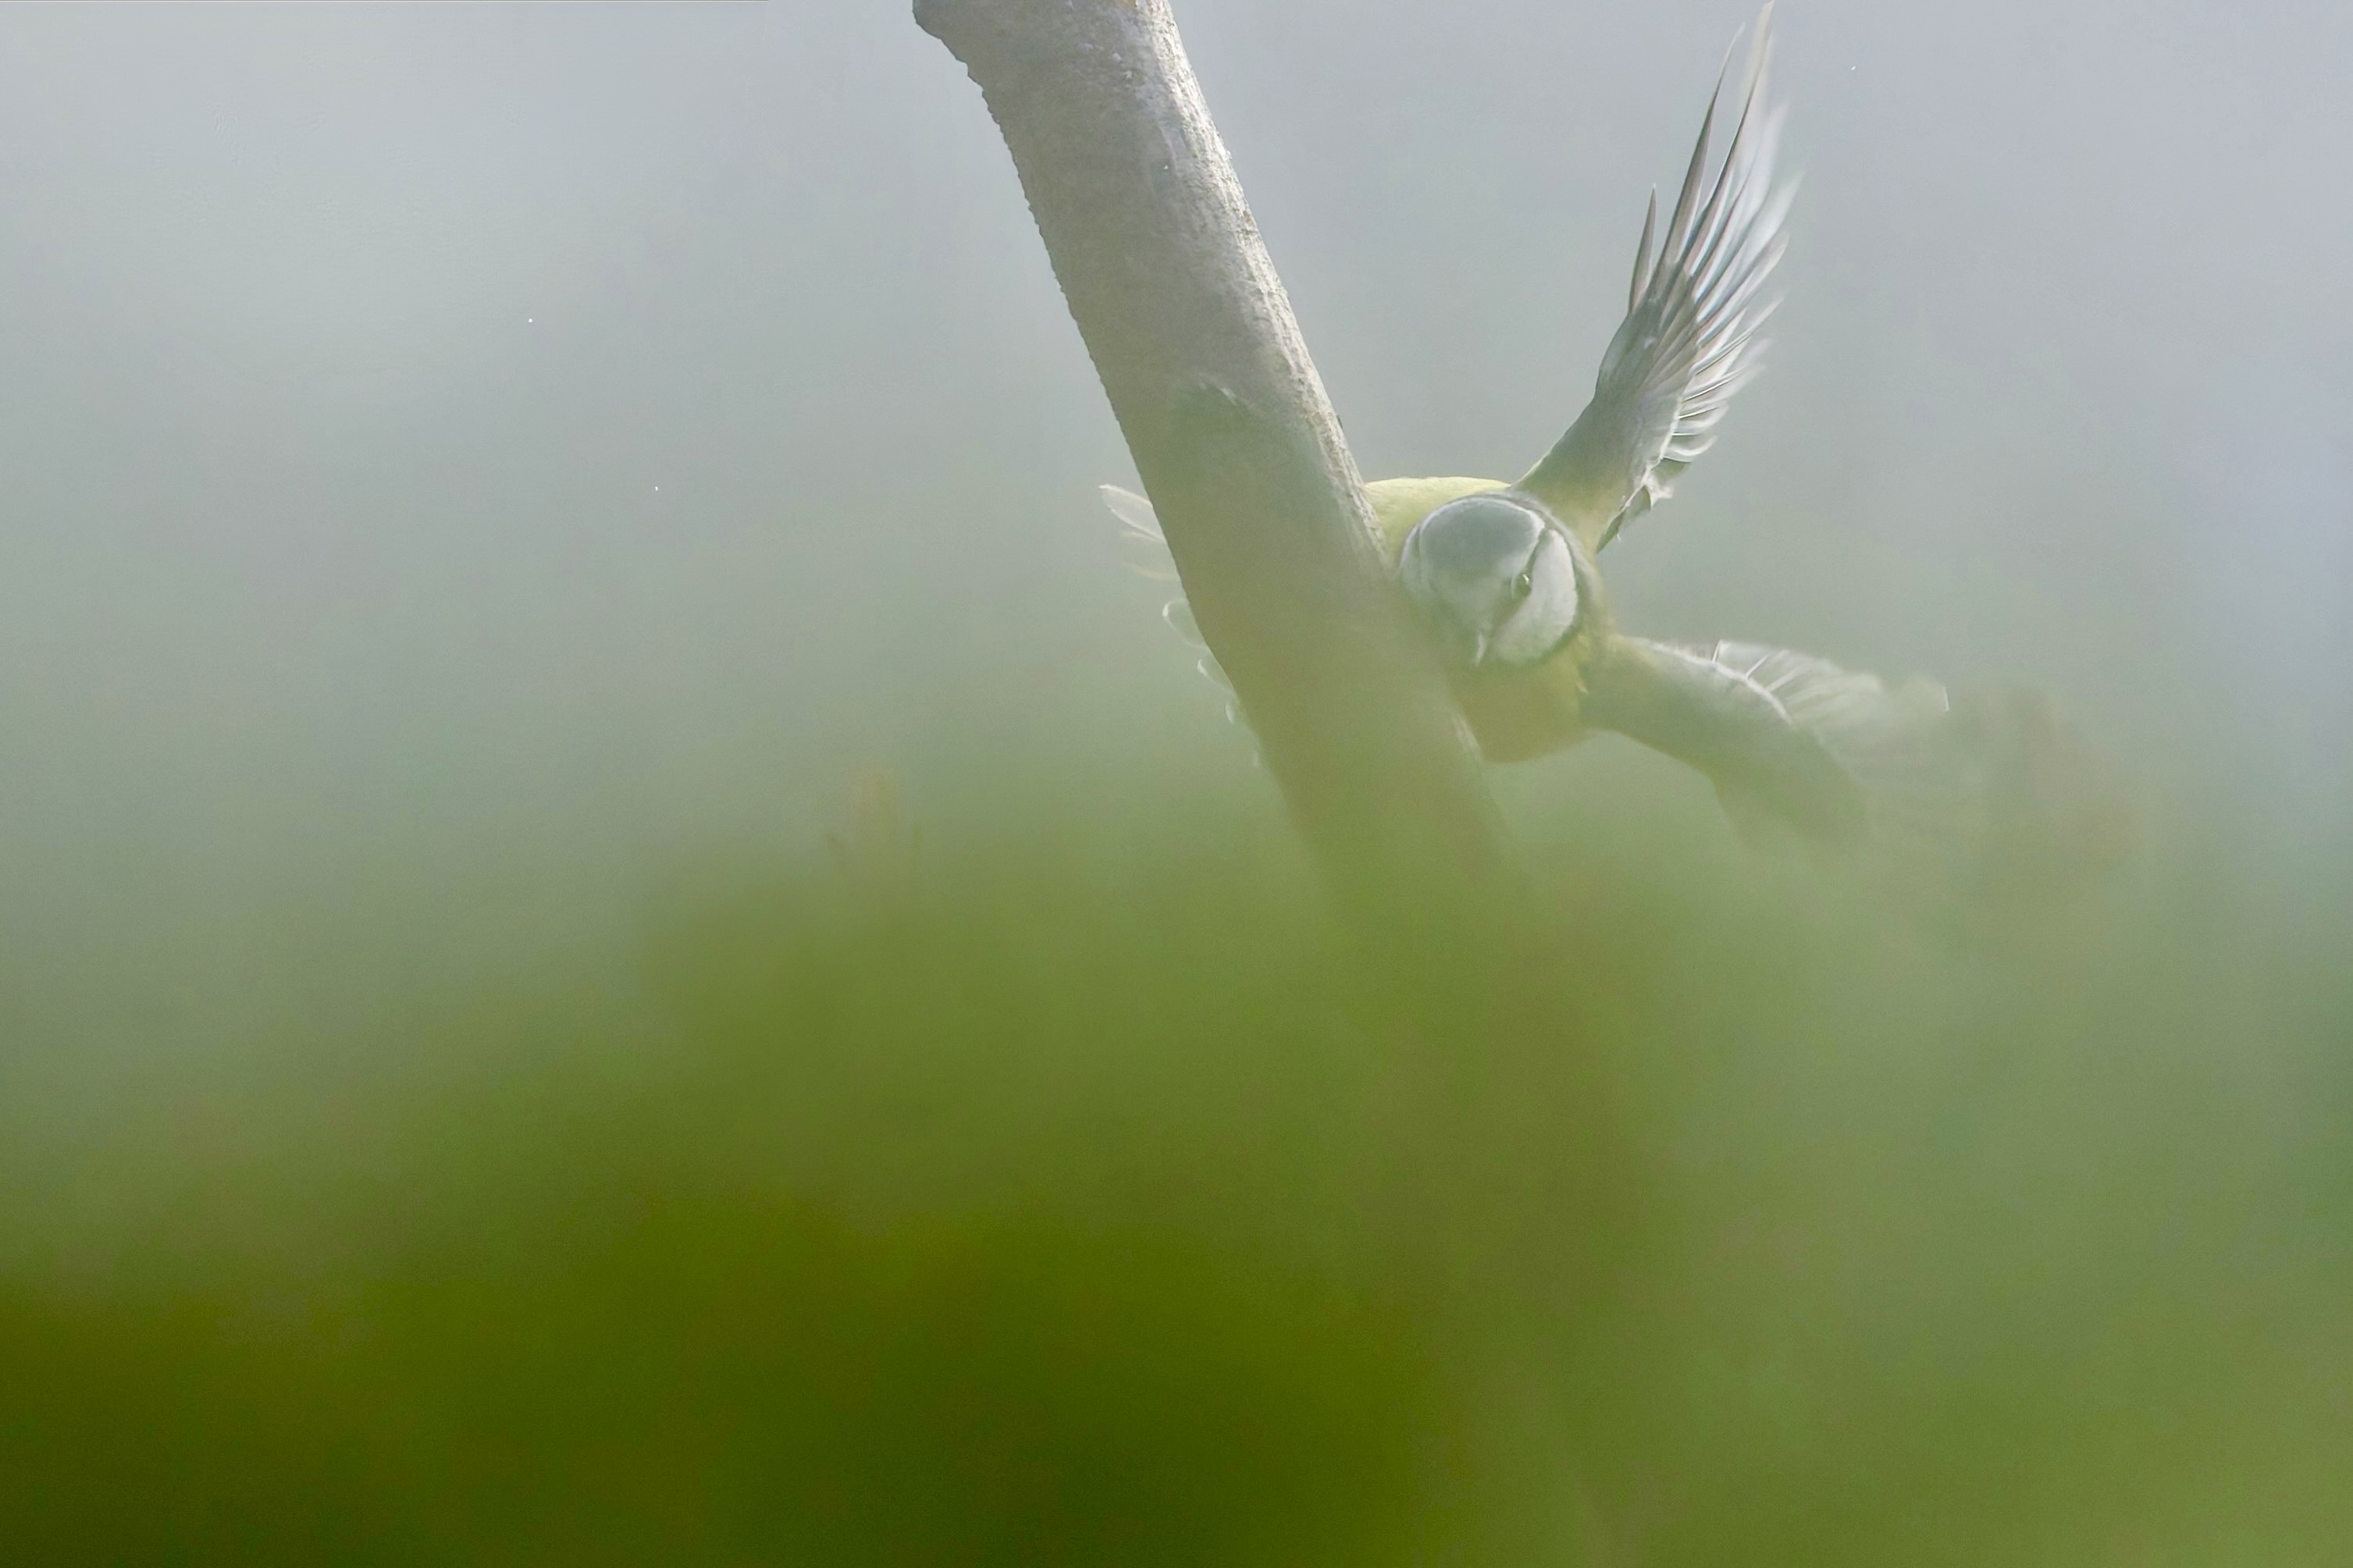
(1504, 576)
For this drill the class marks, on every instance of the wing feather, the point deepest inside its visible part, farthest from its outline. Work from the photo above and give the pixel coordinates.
(1691, 337)
(1984, 798)
(1148, 549)
(1838, 756)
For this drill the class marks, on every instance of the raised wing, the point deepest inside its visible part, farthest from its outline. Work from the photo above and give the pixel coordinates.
(1689, 339)
(1987, 796)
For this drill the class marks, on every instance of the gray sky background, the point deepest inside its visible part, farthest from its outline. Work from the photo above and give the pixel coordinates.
(431, 430)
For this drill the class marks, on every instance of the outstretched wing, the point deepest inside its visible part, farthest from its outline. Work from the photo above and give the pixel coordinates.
(1836, 755)
(1688, 341)
(1988, 797)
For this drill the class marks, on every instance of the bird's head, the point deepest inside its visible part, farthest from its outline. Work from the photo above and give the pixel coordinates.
(1496, 579)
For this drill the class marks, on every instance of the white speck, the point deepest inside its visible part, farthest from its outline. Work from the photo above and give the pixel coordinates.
(527, 320)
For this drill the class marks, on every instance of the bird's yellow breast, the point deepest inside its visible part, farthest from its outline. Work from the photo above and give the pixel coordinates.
(1513, 714)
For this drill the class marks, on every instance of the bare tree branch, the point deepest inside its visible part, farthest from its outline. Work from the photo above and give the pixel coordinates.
(1233, 436)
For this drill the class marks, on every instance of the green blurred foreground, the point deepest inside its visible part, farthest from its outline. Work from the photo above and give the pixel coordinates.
(1060, 1195)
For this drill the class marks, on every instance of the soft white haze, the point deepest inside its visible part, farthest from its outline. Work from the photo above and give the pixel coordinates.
(426, 429)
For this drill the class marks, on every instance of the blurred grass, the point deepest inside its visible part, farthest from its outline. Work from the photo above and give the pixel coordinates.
(1071, 1197)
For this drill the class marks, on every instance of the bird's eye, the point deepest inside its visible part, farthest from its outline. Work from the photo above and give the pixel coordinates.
(1523, 585)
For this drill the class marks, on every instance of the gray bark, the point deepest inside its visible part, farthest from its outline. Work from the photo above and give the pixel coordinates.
(1237, 444)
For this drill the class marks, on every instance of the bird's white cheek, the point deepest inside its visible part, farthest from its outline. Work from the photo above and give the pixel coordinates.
(1563, 597)
(1541, 622)
(1530, 635)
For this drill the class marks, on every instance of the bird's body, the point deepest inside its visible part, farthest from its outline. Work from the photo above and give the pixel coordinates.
(1505, 575)
(1514, 713)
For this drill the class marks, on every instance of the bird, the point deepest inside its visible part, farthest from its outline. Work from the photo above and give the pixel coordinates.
(1505, 578)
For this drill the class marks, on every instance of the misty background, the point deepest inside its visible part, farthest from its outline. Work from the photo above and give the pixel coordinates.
(461, 464)
(533, 426)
